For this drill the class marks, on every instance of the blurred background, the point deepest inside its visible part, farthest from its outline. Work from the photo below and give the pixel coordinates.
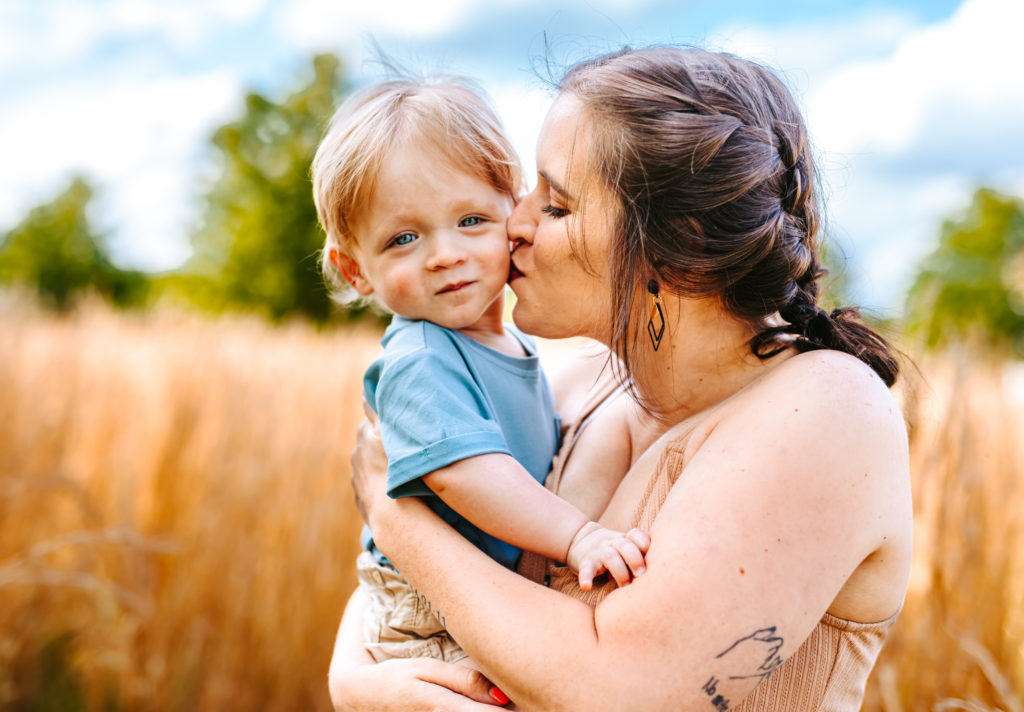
(178, 397)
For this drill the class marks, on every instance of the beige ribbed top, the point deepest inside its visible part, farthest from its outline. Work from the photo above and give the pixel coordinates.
(828, 671)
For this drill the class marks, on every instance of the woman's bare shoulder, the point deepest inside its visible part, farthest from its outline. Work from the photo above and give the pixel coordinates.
(826, 425)
(830, 380)
(822, 390)
(817, 404)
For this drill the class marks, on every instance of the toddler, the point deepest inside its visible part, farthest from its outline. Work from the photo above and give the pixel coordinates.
(413, 183)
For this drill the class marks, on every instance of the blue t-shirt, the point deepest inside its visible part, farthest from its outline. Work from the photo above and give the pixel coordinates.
(442, 397)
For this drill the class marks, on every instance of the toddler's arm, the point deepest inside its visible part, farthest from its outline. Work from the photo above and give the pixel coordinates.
(509, 504)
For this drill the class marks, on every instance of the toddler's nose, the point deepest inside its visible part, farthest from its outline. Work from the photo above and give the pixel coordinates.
(445, 252)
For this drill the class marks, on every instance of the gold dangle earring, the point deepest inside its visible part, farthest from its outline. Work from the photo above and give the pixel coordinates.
(656, 322)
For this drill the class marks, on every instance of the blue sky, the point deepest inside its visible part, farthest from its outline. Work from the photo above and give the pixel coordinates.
(911, 103)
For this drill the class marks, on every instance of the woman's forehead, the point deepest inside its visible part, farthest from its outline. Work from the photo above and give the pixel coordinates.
(561, 125)
(562, 146)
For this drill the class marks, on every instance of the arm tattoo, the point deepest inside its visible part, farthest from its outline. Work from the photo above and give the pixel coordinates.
(710, 689)
(767, 643)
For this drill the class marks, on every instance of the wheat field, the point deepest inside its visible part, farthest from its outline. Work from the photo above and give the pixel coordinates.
(177, 529)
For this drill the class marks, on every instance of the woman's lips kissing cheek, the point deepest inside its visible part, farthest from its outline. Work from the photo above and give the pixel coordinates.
(513, 271)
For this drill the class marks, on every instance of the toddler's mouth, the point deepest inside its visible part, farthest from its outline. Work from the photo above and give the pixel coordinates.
(453, 287)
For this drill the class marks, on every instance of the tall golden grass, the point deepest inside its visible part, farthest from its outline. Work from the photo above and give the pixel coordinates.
(959, 643)
(177, 529)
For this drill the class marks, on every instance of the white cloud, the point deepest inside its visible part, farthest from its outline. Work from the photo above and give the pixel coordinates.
(966, 65)
(236, 11)
(53, 33)
(617, 4)
(45, 34)
(182, 25)
(330, 24)
(522, 108)
(808, 49)
(137, 138)
(318, 23)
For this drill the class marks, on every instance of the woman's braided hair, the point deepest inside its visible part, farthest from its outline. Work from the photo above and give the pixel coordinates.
(709, 159)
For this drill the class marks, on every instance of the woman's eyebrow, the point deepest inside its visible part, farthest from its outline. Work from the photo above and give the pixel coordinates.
(555, 185)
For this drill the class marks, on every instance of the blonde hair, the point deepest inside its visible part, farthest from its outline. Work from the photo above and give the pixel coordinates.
(450, 112)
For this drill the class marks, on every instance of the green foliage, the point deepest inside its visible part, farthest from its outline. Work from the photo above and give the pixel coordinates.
(835, 285)
(57, 252)
(259, 241)
(971, 288)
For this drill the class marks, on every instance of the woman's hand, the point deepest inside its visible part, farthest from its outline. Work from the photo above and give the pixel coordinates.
(369, 464)
(357, 683)
(413, 685)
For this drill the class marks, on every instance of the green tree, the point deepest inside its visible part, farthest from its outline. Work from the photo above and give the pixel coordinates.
(971, 288)
(56, 251)
(257, 245)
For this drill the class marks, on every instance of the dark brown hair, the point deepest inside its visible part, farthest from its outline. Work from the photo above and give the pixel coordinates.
(707, 155)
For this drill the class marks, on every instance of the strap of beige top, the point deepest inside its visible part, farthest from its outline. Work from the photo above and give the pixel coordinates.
(604, 388)
(534, 566)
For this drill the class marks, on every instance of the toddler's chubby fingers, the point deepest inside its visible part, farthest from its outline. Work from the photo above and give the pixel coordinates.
(588, 570)
(641, 538)
(616, 567)
(632, 555)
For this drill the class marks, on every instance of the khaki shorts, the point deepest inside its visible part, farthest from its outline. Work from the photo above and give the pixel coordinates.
(399, 622)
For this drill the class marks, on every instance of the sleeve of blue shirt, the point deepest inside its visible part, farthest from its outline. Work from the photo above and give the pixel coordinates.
(432, 414)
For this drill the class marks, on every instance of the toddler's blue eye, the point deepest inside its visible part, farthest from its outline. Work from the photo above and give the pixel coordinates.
(471, 221)
(404, 239)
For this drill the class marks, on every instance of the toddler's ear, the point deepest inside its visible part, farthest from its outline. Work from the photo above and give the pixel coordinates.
(349, 269)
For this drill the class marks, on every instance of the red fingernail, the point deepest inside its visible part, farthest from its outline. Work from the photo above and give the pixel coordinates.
(498, 696)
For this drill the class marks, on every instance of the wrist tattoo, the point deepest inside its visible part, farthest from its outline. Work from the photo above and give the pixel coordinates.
(425, 602)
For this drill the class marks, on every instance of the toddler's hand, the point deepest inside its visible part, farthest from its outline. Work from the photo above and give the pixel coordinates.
(595, 549)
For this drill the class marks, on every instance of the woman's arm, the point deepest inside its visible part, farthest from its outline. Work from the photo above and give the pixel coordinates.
(767, 522)
(509, 504)
(357, 684)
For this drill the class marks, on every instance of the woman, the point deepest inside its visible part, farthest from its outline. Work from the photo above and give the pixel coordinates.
(674, 219)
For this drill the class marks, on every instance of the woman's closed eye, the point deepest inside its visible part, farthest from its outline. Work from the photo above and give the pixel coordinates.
(554, 212)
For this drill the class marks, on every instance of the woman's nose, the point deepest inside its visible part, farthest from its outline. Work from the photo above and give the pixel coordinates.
(522, 222)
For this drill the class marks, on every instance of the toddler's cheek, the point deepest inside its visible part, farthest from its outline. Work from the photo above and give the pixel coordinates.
(406, 285)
